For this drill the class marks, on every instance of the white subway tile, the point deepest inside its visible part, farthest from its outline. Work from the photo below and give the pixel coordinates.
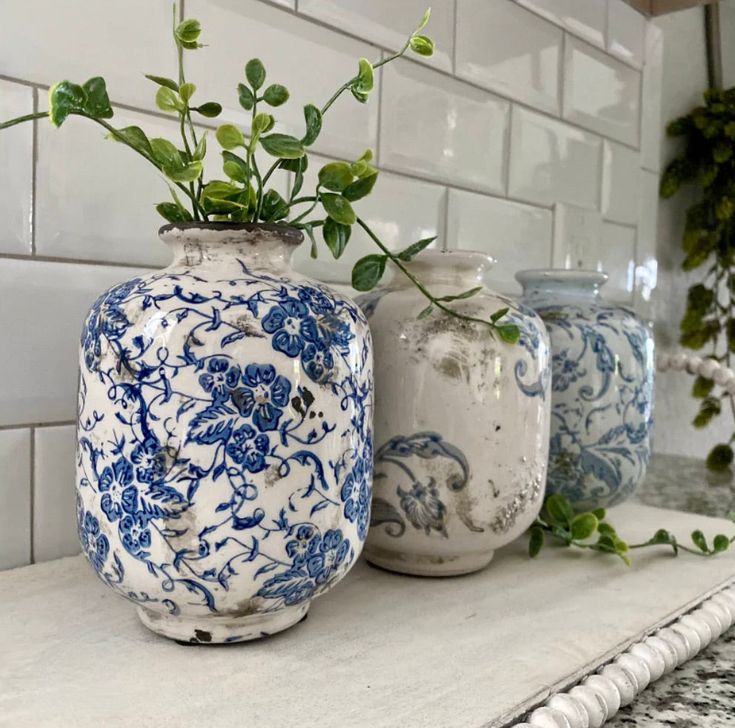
(620, 183)
(78, 39)
(646, 252)
(41, 320)
(108, 213)
(652, 123)
(551, 161)
(626, 32)
(601, 93)
(15, 498)
(16, 163)
(399, 210)
(439, 127)
(509, 50)
(54, 513)
(617, 257)
(389, 23)
(585, 18)
(311, 61)
(517, 236)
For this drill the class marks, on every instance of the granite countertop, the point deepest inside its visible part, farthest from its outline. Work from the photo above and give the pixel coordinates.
(701, 692)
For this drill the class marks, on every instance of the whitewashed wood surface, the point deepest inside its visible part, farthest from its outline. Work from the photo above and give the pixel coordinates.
(380, 650)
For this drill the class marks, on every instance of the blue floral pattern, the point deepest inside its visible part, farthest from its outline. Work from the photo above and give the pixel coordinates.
(188, 413)
(602, 402)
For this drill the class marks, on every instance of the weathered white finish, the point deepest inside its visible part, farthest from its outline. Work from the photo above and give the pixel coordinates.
(380, 650)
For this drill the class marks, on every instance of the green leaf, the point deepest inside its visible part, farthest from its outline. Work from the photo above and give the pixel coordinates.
(173, 213)
(426, 312)
(210, 109)
(424, 20)
(368, 271)
(559, 510)
(274, 206)
(255, 73)
(168, 101)
(535, 541)
(414, 249)
(708, 409)
(335, 176)
(230, 137)
(166, 154)
(65, 98)
(261, 124)
(361, 96)
(275, 95)
(365, 79)
(187, 91)
(298, 167)
(360, 188)
(187, 173)
(721, 543)
(584, 526)
(499, 314)
(422, 45)
(661, 537)
(338, 208)
(235, 167)
(283, 146)
(163, 81)
(336, 235)
(702, 387)
(220, 197)
(720, 458)
(97, 103)
(700, 541)
(200, 151)
(245, 96)
(509, 333)
(313, 119)
(187, 33)
(599, 513)
(605, 529)
(133, 136)
(460, 296)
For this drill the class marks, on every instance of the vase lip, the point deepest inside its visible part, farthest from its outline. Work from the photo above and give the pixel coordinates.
(227, 232)
(561, 275)
(469, 259)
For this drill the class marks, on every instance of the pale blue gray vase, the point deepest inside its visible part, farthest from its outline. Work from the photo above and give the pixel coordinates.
(602, 388)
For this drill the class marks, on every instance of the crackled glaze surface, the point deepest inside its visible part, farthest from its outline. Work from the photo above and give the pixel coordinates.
(461, 424)
(224, 437)
(602, 388)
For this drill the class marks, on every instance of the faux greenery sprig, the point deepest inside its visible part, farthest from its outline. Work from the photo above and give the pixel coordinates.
(707, 163)
(589, 530)
(245, 195)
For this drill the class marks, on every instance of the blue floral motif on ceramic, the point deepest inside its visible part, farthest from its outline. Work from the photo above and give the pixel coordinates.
(602, 388)
(224, 438)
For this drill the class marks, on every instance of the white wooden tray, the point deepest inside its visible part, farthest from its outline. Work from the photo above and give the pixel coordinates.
(379, 650)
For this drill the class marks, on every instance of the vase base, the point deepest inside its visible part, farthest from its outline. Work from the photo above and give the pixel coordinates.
(206, 630)
(426, 565)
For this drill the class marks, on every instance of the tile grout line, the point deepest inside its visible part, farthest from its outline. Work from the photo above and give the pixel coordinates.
(378, 133)
(36, 425)
(77, 261)
(34, 173)
(445, 231)
(33, 491)
(455, 16)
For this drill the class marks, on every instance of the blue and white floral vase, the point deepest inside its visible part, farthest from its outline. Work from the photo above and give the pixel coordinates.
(224, 436)
(461, 422)
(602, 387)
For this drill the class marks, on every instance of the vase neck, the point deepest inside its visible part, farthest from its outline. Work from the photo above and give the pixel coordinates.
(259, 246)
(449, 267)
(561, 285)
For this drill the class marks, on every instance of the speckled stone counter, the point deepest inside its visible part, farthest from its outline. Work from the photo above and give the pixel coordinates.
(701, 693)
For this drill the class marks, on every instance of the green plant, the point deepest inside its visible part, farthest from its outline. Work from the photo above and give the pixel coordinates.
(590, 530)
(244, 194)
(707, 164)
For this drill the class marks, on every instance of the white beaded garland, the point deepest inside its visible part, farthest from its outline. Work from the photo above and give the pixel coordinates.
(638, 667)
(607, 689)
(624, 681)
(681, 645)
(593, 703)
(548, 718)
(572, 708)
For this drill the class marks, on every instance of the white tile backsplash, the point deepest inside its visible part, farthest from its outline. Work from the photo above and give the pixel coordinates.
(310, 60)
(601, 93)
(79, 39)
(551, 161)
(518, 236)
(54, 511)
(463, 129)
(389, 23)
(584, 18)
(626, 33)
(620, 183)
(15, 498)
(528, 108)
(509, 50)
(41, 320)
(16, 163)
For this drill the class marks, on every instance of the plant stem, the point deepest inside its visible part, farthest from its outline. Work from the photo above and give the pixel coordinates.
(21, 119)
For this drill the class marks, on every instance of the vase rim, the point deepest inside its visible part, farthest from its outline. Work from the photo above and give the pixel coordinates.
(183, 231)
(471, 258)
(561, 275)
